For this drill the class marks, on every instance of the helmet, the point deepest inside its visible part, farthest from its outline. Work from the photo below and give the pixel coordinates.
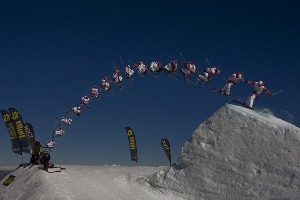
(86, 97)
(105, 78)
(238, 75)
(95, 87)
(217, 71)
(128, 66)
(260, 83)
(141, 62)
(116, 71)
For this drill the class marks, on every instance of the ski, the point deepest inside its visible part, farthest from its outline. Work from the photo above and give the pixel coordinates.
(219, 91)
(153, 74)
(241, 104)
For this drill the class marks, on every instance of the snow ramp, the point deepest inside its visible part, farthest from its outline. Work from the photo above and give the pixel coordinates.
(237, 153)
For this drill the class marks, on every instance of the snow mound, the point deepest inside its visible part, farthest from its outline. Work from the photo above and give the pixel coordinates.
(237, 153)
(84, 182)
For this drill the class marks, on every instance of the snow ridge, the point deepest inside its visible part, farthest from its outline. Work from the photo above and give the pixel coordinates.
(237, 153)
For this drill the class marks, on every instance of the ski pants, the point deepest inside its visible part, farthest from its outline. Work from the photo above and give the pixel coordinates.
(203, 78)
(249, 102)
(227, 87)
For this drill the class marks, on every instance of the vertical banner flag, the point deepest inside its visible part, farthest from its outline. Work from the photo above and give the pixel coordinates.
(29, 133)
(9, 122)
(15, 115)
(132, 144)
(166, 146)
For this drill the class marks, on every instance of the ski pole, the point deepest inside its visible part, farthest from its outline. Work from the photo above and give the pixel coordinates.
(277, 92)
(224, 79)
(183, 57)
(130, 61)
(208, 63)
(122, 61)
(114, 65)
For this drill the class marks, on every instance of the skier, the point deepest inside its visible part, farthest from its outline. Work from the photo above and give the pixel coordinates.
(155, 67)
(77, 110)
(188, 69)
(141, 68)
(45, 160)
(208, 72)
(105, 84)
(232, 80)
(85, 100)
(171, 67)
(258, 89)
(35, 153)
(68, 121)
(129, 72)
(117, 79)
(95, 91)
(59, 133)
(51, 144)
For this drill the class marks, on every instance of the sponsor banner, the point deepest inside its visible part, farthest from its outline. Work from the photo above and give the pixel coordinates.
(132, 144)
(29, 133)
(166, 146)
(19, 125)
(9, 122)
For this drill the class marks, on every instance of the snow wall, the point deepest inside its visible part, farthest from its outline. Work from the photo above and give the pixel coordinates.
(237, 153)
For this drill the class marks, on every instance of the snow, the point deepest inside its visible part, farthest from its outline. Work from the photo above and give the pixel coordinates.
(237, 153)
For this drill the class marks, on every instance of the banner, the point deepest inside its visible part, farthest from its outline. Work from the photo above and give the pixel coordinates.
(132, 144)
(9, 122)
(29, 133)
(166, 146)
(19, 125)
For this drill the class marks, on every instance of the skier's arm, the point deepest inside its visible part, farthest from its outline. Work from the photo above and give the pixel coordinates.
(267, 91)
(250, 82)
(136, 65)
(229, 79)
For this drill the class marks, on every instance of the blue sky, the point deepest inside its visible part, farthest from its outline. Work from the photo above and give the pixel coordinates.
(53, 53)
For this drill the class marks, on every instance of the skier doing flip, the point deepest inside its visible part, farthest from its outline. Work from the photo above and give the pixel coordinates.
(117, 79)
(105, 84)
(59, 133)
(129, 72)
(95, 91)
(188, 69)
(77, 110)
(258, 89)
(85, 100)
(67, 121)
(51, 144)
(155, 66)
(171, 67)
(208, 72)
(232, 80)
(141, 68)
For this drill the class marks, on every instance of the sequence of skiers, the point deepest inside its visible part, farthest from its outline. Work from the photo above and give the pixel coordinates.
(187, 70)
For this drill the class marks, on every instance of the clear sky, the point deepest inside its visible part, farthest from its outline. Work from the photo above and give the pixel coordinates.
(52, 53)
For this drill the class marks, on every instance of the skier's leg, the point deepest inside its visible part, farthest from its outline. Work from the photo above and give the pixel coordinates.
(228, 88)
(224, 88)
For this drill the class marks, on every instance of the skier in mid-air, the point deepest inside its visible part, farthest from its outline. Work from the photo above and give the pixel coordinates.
(68, 121)
(77, 109)
(116, 77)
(155, 67)
(95, 91)
(188, 69)
(258, 89)
(105, 84)
(59, 132)
(171, 67)
(141, 68)
(232, 80)
(85, 100)
(128, 72)
(208, 72)
(51, 143)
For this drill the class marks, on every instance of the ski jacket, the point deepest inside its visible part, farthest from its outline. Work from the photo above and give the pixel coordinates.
(115, 75)
(233, 79)
(259, 89)
(174, 65)
(191, 67)
(211, 71)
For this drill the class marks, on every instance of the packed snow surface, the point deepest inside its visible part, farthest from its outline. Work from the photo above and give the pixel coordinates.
(83, 182)
(236, 154)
